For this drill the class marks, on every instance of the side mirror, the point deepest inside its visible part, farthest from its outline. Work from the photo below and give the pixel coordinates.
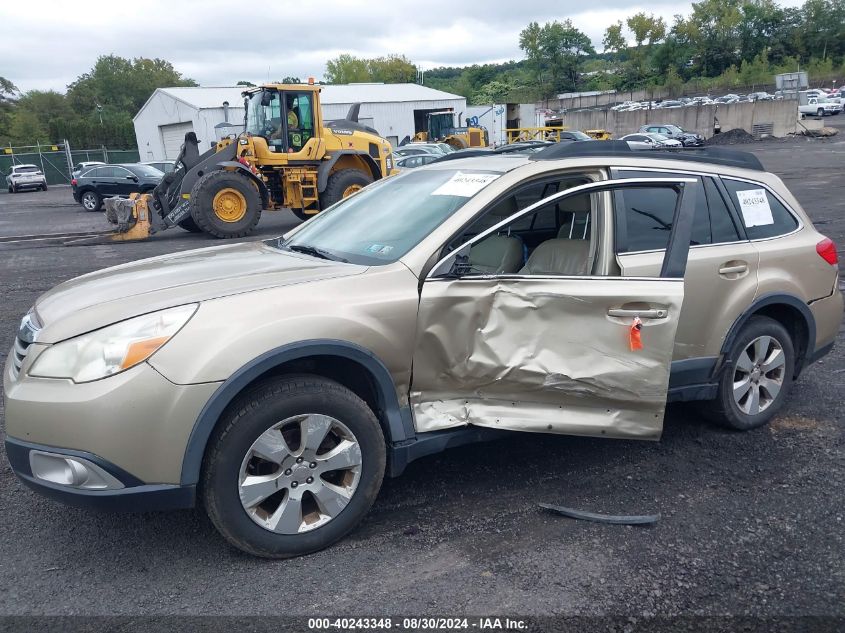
(266, 98)
(132, 178)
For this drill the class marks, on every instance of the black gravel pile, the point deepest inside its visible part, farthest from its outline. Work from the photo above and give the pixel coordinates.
(731, 137)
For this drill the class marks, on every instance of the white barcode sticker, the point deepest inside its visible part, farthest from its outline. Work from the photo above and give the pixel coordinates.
(755, 208)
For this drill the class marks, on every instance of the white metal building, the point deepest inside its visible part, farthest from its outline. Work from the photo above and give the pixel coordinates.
(395, 110)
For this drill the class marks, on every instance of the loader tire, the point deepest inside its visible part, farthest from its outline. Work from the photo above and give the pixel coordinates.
(225, 204)
(343, 183)
(456, 142)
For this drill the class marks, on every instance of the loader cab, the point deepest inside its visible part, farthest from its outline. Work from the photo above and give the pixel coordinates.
(285, 117)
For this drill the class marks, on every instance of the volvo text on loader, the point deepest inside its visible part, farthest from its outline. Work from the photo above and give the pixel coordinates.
(286, 157)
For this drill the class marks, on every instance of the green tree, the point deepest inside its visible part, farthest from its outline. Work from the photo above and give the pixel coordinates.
(613, 40)
(393, 69)
(121, 84)
(563, 46)
(530, 41)
(291, 80)
(347, 69)
(247, 84)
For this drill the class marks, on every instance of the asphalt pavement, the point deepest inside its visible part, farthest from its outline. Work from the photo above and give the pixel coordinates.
(751, 523)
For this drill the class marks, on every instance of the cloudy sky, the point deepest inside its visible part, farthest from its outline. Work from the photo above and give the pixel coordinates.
(46, 44)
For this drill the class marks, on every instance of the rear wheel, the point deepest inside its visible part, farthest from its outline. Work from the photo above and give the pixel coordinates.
(91, 201)
(753, 388)
(225, 204)
(343, 184)
(820, 112)
(294, 467)
(44, 187)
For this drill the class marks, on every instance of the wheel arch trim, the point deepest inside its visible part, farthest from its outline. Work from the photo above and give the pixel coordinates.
(398, 422)
(772, 299)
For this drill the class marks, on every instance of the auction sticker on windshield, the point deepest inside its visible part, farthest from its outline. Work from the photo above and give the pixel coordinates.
(755, 207)
(464, 185)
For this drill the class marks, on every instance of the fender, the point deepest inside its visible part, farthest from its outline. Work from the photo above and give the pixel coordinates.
(262, 187)
(767, 300)
(209, 161)
(324, 170)
(399, 425)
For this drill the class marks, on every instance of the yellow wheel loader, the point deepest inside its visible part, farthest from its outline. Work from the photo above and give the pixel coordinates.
(286, 157)
(440, 127)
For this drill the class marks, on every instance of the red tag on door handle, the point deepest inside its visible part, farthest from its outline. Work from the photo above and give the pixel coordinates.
(634, 338)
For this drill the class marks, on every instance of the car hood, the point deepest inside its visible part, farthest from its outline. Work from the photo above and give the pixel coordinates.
(106, 296)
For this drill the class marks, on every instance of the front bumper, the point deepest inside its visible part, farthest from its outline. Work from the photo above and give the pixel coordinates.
(133, 496)
(136, 421)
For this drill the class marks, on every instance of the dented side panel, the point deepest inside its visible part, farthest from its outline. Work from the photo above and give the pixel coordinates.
(543, 355)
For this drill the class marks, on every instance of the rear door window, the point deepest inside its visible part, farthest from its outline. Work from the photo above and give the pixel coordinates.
(648, 214)
(763, 215)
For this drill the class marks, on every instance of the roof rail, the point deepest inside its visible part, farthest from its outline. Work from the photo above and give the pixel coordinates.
(487, 151)
(621, 149)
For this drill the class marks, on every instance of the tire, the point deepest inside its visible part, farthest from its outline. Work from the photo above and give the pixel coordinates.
(820, 112)
(233, 186)
(230, 456)
(91, 201)
(189, 225)
(457, 142)
(44, 187)
(340, 183)
(734, 413)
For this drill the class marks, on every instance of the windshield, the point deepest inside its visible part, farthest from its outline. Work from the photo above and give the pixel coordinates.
(385, 220)
(263, 119)
(579, 135)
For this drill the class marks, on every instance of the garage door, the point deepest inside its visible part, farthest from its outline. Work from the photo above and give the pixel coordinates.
(172, 137)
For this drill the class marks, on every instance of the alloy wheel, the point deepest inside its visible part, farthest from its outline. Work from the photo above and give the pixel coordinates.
(300, 474)
(89, 201)
(759, 375)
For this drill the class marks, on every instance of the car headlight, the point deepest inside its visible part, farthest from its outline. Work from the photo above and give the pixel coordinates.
(112, 349)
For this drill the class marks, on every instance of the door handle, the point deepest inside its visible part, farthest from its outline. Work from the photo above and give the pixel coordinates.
(643, 314)
(736, 268)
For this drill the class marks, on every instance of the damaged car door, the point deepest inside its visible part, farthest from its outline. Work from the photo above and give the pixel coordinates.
(551, 345)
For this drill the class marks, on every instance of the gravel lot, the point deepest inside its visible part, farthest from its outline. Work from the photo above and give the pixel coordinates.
(752, 524)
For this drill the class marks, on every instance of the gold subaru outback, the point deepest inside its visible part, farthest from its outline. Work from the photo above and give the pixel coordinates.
(575, 290)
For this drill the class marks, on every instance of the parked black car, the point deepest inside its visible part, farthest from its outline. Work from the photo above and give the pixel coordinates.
(688, 139)
(107, 181)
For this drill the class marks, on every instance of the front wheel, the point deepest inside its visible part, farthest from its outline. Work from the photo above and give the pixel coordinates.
(293, 467)
(820, 112)
(225, 204)
(758, 377)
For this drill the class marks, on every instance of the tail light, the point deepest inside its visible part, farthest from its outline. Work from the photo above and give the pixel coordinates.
(827, 251)
(73, 182)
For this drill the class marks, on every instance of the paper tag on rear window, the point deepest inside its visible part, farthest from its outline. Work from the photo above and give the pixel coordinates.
(755, 208)
(464, 185)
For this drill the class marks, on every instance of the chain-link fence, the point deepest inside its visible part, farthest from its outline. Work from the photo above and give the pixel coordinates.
(57, 161)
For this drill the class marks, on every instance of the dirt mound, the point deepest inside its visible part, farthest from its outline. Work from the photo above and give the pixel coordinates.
(736, 136)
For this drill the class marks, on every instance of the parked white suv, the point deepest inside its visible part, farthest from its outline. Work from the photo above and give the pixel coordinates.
(819, 106)
(26, 177)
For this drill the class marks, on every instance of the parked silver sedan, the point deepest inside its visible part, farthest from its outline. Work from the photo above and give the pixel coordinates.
(650, 141)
